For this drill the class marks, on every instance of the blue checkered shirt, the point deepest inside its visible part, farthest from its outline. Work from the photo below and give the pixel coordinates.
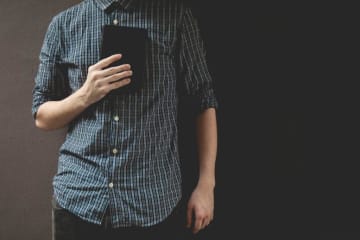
(123, 152)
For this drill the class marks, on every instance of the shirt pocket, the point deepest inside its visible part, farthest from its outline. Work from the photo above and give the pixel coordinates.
(77, 69)
(161, 41)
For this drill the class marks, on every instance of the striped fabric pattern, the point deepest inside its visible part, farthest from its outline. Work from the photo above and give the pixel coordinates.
(122, 152)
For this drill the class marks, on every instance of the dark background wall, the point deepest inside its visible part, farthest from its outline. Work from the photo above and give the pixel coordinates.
(286, 159)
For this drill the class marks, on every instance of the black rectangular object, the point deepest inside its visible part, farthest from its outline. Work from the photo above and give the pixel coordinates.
(131, 43)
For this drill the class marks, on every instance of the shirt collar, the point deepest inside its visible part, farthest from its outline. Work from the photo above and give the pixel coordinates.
(104, 4)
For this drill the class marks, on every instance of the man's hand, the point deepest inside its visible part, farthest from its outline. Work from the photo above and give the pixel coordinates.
(201, 206)
(101, 81)
(57, 114)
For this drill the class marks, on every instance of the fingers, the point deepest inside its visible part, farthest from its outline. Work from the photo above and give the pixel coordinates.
(189, 217)
(105, 62)
(198, 224)
(206, 222)
(201, 223)
(119, 84)
(202, 220)
(112, 70)
(116, 77)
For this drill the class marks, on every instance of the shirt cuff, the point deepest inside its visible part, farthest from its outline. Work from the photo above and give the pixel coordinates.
(38, 100)
(209, 101)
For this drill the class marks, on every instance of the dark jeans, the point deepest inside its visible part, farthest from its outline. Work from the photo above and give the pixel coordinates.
(67, 226)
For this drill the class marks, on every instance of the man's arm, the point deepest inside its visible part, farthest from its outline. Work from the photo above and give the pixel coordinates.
(201, 202)
(57, 114)
(207, 146)
(198, 82)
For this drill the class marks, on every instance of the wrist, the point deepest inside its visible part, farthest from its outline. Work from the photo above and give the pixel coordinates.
(82, 98)
(207, 183)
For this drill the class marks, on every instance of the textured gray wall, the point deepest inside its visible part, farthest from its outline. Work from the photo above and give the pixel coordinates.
(28, 156)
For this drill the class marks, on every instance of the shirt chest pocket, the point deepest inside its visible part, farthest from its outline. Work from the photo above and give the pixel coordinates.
(161, 41)
(77, 65)
(80, 51)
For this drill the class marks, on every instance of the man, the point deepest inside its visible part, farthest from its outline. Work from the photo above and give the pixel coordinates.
(118, 170)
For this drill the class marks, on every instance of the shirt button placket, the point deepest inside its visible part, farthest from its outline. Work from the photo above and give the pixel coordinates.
(115, 151)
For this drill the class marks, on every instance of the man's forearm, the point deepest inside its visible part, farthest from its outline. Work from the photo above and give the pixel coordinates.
(207, 147)
(57, 114)
(100, 80)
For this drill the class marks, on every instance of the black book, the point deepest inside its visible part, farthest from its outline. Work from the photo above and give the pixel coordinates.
(131, 43)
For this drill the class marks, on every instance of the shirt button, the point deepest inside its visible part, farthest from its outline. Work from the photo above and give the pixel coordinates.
(116, 22)
(115, 151)
(116, 118)
(111, 185)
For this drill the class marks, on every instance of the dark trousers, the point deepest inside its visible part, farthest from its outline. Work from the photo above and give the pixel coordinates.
(67, 226)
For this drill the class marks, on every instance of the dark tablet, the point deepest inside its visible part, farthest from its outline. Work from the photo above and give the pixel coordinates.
(130, 42)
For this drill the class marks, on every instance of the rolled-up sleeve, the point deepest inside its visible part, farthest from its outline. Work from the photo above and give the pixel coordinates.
(50, 80)
(197, 79)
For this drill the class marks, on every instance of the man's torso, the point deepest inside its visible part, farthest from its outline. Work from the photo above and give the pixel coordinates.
(121, 151)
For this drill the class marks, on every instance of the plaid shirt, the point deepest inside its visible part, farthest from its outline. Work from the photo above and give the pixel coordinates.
(123, 152)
